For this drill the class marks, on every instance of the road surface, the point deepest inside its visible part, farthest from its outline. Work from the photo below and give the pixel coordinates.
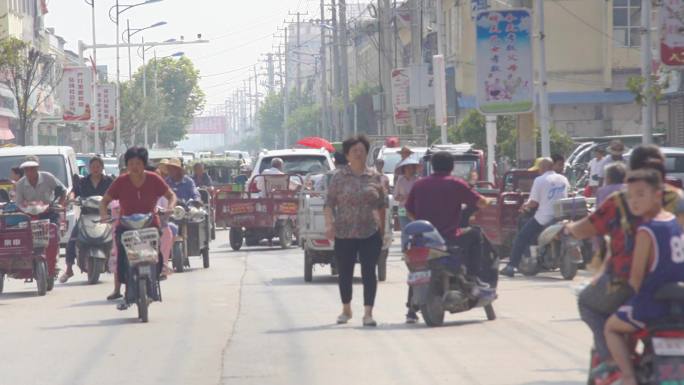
(251, 319)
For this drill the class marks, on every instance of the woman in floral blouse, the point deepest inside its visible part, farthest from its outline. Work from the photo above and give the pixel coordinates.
(355, 218)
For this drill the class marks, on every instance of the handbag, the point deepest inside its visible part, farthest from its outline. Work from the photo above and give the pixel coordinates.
(606, 295)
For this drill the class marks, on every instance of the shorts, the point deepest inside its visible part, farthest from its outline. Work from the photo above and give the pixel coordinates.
(626, 314)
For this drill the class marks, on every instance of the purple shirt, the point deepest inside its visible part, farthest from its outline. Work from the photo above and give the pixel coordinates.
(438, 198)
(604, 192)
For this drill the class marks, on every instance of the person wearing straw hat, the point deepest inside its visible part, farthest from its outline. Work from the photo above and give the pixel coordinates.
(161, 168)
(616, 150)
(182, 185)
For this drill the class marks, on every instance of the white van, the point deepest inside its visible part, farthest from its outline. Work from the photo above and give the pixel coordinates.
(57, 160)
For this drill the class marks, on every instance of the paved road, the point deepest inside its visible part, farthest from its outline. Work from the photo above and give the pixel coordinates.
(250, 319)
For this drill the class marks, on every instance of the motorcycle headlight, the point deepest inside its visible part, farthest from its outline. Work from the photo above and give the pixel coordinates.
(178, 213)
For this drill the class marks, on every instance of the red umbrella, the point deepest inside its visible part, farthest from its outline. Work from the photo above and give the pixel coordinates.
(316, 142)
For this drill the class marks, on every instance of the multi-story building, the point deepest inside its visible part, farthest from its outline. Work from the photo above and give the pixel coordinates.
(592, 49)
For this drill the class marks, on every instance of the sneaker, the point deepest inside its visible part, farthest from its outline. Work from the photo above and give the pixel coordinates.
(122, 306)
(369, 321)
(508, 271)
(343, 318)
(411, 317)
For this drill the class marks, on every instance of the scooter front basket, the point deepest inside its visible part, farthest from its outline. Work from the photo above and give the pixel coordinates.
(142, 246)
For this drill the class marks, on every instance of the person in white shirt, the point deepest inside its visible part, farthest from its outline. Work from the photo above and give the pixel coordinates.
(616, 151)
(595, 169)
(277, 166)
(547, 188)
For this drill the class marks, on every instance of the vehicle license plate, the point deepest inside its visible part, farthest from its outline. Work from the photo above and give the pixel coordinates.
(417, 277)
(668, 346)
(145, 270)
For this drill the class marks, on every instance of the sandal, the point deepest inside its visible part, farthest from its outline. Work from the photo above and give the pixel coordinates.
(65, 277)
(369, 321)
(343, 318)
(114, 296)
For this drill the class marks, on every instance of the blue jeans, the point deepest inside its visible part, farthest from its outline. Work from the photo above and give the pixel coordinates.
(526, 237)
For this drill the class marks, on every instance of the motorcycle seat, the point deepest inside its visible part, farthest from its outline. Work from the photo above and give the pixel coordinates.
(671, 292)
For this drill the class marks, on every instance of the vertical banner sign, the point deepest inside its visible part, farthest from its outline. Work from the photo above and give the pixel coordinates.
(77, 93)
(671, 28)
(504, 62)
(477, 6)
(106, 97)
(401, 96)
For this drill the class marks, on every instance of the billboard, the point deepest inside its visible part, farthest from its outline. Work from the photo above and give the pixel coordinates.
(670, 28)
(106, 109)
(401, 97)
(77, 93)
(504, 62)
(208, 125)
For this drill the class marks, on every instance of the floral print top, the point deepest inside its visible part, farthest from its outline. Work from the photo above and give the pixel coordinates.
(353, 200)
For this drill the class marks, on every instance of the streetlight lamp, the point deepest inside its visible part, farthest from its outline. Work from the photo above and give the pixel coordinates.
(130, 32)
(114, 15)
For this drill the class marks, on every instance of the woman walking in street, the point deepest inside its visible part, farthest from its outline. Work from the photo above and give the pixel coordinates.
(355, 218)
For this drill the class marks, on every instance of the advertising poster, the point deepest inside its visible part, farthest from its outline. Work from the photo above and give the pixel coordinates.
(401, 96)
(671, 28)
(504, 62)
(106, 97)
(77, 93)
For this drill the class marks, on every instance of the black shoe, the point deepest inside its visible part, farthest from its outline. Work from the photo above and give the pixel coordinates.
(411, 317)
(122, 306)
(508, 271)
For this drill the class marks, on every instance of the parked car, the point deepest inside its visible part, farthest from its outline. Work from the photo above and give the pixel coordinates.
(674, 162)
(58, 160)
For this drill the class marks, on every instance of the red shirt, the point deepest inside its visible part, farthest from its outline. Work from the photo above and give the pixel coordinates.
(438, 199)
(138, 200)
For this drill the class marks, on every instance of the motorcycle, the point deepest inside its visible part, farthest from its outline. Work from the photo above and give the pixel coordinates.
(658, 355)
(141, 242)
(555, 251)
(94, 241)
(438, 279)
(194, 234)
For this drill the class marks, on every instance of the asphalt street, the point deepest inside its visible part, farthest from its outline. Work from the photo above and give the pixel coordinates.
(251, 319)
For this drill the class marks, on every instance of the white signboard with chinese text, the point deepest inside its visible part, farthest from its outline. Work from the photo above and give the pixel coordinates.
(401, 97)
(504, 62)
(77, 93)
(670, 26)
(106, 97)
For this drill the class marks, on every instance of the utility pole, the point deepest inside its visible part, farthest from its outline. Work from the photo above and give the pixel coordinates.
(416, 55)
(325, 127)
(298, 47)
(646, 72)
(256, 104)
(385, 54)
(544, 118)
(271, 75)
(344, 78)
(285, 90)
(336, 70)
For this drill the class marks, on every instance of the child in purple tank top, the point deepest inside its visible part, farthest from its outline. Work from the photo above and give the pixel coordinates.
(658, 259)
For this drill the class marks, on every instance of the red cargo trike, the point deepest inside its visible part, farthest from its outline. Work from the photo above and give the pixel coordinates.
(28, 247)
(267, 214)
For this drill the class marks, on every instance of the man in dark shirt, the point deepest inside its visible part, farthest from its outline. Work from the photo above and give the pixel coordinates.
(439, 199)
(95, 184)
(200, 177)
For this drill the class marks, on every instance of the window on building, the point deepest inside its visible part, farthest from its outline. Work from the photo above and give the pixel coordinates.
(626, 23)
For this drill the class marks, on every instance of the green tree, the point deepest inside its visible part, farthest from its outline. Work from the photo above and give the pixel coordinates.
(270, 117)
(32, 78)
(472, 130)
(169, 108)
(303, 122)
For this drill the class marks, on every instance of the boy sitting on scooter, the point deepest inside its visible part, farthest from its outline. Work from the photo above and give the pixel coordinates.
(658, 259)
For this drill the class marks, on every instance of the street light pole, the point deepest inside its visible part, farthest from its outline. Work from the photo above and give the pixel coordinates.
(646, 72)
(95, 110)
(144, 88)
(117, 144)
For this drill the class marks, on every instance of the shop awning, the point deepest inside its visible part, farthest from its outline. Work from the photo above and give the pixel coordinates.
(5, 132)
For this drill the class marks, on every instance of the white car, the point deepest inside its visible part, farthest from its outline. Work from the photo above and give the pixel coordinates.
(297, 161)
(58, 160)
(391, 157)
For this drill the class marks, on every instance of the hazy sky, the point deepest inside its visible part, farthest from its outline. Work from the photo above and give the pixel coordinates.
(239, 32)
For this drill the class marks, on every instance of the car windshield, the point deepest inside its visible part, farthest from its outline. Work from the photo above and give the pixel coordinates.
(299, 164)
(462, 168)
(674, 164)
(53, 164)
(391, 159)
(111, 167)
